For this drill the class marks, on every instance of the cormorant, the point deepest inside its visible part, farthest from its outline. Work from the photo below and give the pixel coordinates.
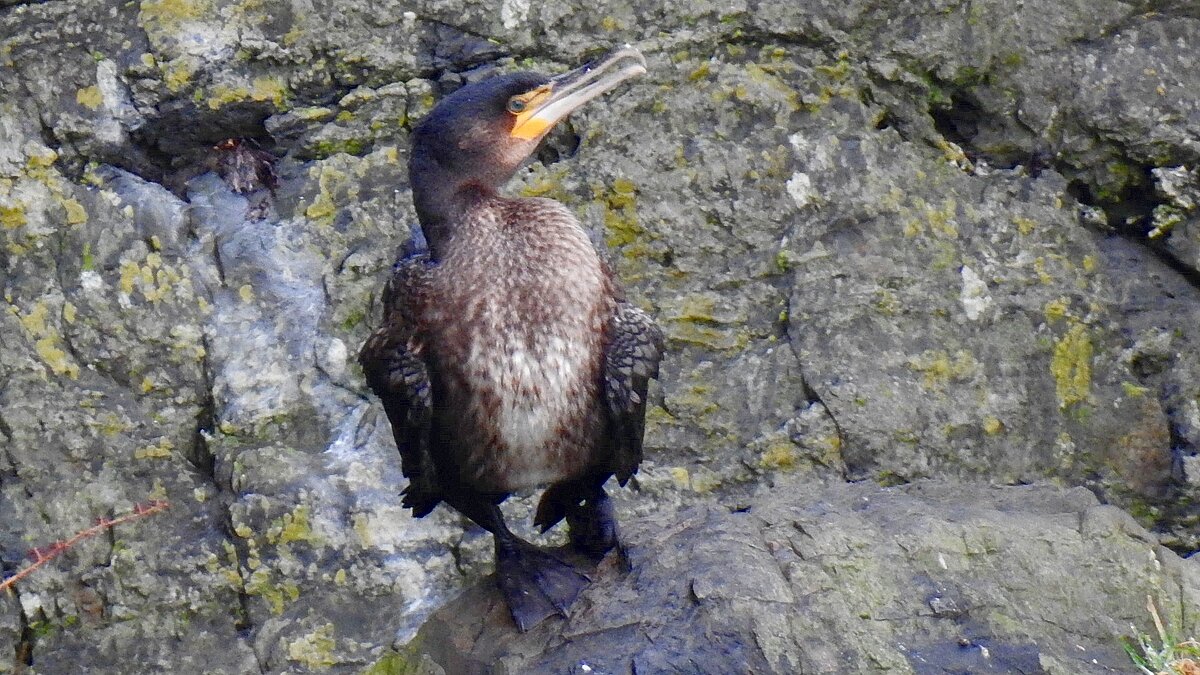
(508, 357)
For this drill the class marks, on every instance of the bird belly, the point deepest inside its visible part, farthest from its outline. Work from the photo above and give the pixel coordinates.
(532, 409)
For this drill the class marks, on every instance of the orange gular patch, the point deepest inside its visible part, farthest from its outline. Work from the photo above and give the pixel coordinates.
(529, 125)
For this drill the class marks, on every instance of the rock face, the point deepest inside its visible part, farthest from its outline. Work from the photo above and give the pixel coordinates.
(887, 242)
(924, 578)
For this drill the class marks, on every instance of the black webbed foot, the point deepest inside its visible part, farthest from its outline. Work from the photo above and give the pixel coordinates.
(535, 584)
(589, 513)
(594, 531)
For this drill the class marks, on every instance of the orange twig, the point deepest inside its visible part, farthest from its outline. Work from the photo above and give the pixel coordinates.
(44, 554)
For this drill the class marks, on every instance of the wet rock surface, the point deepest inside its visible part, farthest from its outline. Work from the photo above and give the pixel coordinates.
(887, 243)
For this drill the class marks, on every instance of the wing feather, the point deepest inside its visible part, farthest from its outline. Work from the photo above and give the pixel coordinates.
(635, 347)
(396, 371)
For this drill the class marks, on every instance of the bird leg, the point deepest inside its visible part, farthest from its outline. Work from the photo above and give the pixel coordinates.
(534, 583)
(589, 514)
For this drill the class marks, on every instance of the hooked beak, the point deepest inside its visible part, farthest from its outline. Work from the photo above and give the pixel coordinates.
(548, 104)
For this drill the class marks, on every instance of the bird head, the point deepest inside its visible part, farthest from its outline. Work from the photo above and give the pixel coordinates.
(482, 133)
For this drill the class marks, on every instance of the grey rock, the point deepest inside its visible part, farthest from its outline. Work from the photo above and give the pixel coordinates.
(925, 578)
(879, 237)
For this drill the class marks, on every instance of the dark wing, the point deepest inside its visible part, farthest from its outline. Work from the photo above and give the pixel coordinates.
(635, 346)
(396, 372)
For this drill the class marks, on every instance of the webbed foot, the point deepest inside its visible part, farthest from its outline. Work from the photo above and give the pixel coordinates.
(593, 528)
(535, 584)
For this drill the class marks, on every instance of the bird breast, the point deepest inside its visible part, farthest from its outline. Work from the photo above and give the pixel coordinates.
(523, 300)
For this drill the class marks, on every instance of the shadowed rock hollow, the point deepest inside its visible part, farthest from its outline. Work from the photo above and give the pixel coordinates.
(947, 241)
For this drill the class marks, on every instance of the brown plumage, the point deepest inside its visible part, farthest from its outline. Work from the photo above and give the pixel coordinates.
(508, 358)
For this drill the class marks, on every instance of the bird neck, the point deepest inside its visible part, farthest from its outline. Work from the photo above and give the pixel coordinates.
(443, 197)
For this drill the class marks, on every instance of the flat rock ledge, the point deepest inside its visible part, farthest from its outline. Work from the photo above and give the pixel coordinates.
(930, 577)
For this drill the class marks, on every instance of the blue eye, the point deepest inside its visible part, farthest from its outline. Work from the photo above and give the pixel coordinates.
(516, 105)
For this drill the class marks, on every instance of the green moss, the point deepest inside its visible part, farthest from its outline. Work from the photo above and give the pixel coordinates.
(1071, 366)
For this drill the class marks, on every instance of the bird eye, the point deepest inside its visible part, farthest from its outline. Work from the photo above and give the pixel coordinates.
(516, 105)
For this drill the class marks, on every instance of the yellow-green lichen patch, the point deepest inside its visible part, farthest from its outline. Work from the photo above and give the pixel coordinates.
(1039, 268)
(322, 209)
(362, 528)
(246, 293)
(780, 455)
(292, 527)
(160, 450)
(1071, 366)
(939, 367)
(886, 302)
(177, 73)
(1133, 390)
(76, 214)
(700, 73)
(680, 477)
(1056, 310)
(408, 660)
(47, 342)
(260, 584)
(314, 650)
(166, 16)
(942, 219)
(620, 213)
(153, 278)
(12, 216)
(1024, 225)
(700, 334)
(705, 480)
(89, 97)
(547, 184)
(261, 89)
(696, 401)
(110, 424)
(992, 426)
